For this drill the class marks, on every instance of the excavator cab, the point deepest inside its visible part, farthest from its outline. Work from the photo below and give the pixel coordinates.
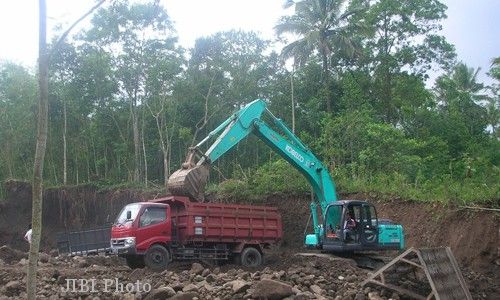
(350, 225)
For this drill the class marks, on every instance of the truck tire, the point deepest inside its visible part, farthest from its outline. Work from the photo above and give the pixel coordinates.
(135, 261)
(157, 258)
(251, 257)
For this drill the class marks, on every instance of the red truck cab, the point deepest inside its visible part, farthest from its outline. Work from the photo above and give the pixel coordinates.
(156, 232)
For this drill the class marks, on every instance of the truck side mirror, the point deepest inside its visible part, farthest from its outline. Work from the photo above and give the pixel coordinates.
(129, 215)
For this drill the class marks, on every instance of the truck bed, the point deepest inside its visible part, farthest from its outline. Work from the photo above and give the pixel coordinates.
(219, 222)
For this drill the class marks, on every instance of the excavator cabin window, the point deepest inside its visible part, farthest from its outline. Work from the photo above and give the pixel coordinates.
(333, 222)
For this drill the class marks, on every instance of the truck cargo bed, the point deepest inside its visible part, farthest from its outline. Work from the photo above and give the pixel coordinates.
(219, 222)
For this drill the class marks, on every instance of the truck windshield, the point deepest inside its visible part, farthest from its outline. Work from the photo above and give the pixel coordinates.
(122, 217)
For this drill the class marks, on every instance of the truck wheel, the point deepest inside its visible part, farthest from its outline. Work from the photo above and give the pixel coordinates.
(157, 258)
(135, 261)
(251, 257)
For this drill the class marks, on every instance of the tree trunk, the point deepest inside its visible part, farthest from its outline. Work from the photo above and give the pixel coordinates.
(137, 146)
(65, 149)
(326, 79)
(41, 144)
(144, 154)
(76, 168)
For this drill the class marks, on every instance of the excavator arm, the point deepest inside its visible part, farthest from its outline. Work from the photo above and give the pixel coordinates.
(192, 177)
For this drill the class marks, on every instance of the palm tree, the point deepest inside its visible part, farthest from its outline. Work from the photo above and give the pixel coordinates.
(323, 27)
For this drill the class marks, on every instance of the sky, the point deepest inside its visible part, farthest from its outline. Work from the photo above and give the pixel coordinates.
(473, 26)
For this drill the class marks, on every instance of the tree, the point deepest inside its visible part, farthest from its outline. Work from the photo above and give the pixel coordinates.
(130, 33)
(323, 26)
(493, 100)
(41, 143)
(18, 96)
(406, 41)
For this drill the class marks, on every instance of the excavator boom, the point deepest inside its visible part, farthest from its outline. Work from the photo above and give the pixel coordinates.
(191, 179)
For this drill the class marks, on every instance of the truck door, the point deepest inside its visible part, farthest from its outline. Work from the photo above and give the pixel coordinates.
(369, 225)
(153, 226)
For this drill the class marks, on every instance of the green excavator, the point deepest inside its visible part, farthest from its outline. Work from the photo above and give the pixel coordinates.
(340, 226)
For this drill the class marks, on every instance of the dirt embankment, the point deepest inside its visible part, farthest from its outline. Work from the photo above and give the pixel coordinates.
(474, 236)
(70, 208)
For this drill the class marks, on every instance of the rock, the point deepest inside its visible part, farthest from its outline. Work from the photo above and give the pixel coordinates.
(43, 257)
(190, 287)
(316, 289)
(304, 296)
(271, 289)
(198, 278)
(12, 288)
(197, 269)
(160, 293)
(360, 296)
(341, 277)
(2, 263)
(54, 253)
(374, 296)
(240, 286)
(56, 274)
(208, 287)
(395, 296)
(129, 296)
(184, 296)
(205, 272)
(23, 262)
(211, 278)
(177, 286)
(216, 271)
(82, 263)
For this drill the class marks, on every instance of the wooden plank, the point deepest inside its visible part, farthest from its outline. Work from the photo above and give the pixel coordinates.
(458, 273)
(429, 278)
(411, 263)
(443, 274)
(399, 289)
(390, 264)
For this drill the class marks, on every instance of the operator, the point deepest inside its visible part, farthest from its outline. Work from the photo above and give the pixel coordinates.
(27, 235)
(349, 227)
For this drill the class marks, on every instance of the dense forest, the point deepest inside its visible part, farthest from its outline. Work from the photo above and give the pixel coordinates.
(353, 81)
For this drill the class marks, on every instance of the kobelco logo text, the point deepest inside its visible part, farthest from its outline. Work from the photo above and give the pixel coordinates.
(294, 153)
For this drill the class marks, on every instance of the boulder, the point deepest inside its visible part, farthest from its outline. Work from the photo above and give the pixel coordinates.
(197, 269)
(190, 288)
(43, 257)
(240, 286)
(271, 289)
(316, 289)
(12, 288)
(160, 293)
(374, 296)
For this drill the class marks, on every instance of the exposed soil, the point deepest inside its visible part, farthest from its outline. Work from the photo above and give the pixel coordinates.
(474, 237)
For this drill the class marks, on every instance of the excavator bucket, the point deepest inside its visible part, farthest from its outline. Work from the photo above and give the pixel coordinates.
(189, 182)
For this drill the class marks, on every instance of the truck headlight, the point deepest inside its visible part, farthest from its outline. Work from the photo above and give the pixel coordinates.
(129, 241)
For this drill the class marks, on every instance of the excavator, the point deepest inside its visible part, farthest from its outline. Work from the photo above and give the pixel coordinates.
(340, 226)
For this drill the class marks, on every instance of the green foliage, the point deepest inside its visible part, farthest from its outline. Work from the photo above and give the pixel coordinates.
(134, 101)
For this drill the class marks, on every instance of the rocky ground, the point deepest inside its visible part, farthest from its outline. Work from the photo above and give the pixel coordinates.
(302, 277)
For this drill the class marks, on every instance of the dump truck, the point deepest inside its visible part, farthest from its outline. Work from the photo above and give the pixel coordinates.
(159, 231)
